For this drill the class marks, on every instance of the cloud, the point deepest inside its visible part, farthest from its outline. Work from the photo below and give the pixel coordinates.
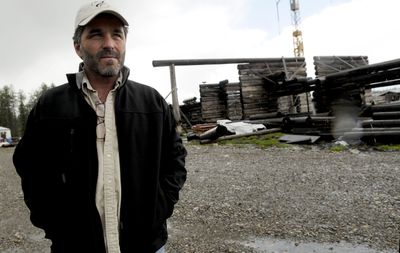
(361, 27)
(190, 32)
(37, 36)
(39, 49)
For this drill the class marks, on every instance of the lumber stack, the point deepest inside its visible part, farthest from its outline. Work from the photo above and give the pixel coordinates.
(191, 109)
(325, 65)
(299, 103)
(213, 102)
(233, 101)
(259, 81)
(329, 65)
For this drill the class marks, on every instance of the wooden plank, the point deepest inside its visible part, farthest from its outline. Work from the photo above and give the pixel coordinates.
(270, 65)
(264, 72)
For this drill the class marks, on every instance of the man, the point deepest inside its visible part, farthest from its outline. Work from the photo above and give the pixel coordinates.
(101, 164)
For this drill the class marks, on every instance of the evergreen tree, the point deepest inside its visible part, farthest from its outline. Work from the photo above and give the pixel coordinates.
(23, 112)
(14, 109)
(37, 93)
(7, 108)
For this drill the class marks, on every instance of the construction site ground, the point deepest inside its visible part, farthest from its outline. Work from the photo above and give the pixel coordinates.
(247, 199)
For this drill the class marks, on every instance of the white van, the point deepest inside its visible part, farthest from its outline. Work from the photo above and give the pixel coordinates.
(5, 137)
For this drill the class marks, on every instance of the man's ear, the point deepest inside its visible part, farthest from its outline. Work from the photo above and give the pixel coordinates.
(78, 51)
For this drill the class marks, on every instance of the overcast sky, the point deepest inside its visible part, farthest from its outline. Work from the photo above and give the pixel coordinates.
(36, 44)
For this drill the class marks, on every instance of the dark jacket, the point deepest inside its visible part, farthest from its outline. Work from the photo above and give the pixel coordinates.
(57, 162)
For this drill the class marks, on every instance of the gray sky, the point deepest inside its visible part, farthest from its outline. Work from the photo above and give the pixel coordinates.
(36, 45)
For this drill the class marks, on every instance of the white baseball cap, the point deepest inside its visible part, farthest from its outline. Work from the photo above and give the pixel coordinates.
(88, 11)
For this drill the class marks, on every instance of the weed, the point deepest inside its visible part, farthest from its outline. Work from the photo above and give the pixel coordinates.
(338, 148)
(262, 141)
(391, 147)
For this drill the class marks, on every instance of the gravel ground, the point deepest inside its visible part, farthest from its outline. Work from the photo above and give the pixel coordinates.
(235, 194)
(17, 235)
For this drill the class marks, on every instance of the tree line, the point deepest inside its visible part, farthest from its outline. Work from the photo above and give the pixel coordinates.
(16, 105)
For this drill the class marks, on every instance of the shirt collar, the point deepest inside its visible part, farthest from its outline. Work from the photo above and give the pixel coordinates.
(83, 82)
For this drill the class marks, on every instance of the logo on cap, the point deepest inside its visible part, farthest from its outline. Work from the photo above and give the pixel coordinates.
(100, 4)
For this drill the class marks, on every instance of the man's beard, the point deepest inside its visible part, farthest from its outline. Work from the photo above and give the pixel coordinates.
(92, 62)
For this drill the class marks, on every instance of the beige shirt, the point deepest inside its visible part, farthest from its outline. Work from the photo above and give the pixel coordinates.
(108, 189)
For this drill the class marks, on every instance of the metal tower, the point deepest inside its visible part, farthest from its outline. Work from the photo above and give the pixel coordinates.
(297, 35)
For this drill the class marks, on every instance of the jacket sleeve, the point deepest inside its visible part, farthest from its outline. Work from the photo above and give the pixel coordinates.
(33, 177)
(173, 173)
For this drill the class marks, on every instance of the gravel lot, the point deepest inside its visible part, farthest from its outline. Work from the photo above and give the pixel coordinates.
(235, 195)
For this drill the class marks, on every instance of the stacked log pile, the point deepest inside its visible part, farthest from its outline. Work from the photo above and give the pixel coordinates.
(386, 112)
(213, 102)
(191, 109)
(259, 81)
(262, 85)
(325, 65)
(221, 101)
(328, 65)
(233, 101)
(383, 126)
(371, 76)
(310, 125)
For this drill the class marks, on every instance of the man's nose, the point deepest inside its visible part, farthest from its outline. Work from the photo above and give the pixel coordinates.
(108, 41)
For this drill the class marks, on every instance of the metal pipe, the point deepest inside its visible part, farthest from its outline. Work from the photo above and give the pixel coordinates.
(366, 69)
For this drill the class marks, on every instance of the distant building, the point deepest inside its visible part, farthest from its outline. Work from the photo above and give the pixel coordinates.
(386, 97)
(391, 96)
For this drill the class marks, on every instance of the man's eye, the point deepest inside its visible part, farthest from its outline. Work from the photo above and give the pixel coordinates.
(96, 35)
(119, 35)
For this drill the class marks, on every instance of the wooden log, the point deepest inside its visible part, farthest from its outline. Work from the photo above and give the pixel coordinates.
(359, 129)
(372, 68)
(386, 107)
(362, 79)
(380, 123)
(201, 128)
(344, 57)
(252, 78)
(266, 115)
(386, 115)
(262, 90)
(248, 112)
(360, 134)
(271, 65)
(266, 72)
(259, 101)
(247, 103)
(186, 62)
(277, 63)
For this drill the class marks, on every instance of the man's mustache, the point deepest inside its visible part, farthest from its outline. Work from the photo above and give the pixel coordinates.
(107, 53)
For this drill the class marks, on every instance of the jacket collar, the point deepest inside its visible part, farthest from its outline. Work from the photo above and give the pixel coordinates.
(72, 77)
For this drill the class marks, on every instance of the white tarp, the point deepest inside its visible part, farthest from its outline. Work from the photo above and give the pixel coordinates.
(240, 127)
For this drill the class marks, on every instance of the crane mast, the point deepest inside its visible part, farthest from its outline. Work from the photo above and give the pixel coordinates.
(297, 34)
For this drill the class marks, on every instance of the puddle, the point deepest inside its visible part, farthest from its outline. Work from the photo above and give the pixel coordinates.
(270, 245)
